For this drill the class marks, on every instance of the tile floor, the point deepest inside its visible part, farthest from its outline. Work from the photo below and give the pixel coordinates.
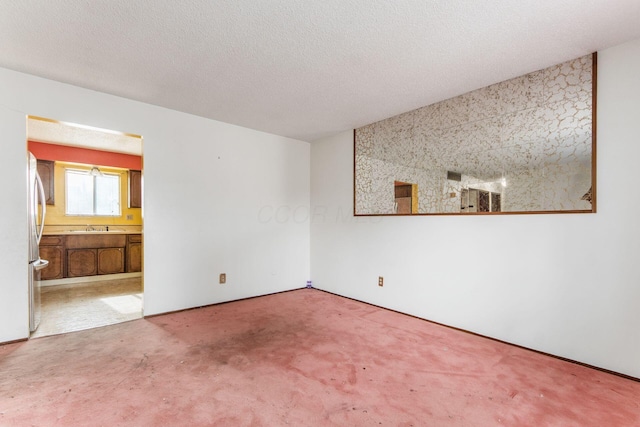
(78, 306)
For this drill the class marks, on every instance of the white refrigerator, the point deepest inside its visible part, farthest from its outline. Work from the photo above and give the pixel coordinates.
(36, 225)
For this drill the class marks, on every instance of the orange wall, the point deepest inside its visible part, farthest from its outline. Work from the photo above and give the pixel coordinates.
(56, 152)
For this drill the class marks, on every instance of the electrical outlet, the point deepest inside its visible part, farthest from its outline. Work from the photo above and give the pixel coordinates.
(129, 217)
(223, 278)
(380, 281)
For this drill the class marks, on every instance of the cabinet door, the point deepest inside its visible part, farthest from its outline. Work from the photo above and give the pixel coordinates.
(110, 260)
(496, 205)
(134, 257)
(46, 172)
(473, 200)
(483, 201)
(55, 256)
(135, 189)
(82, 262)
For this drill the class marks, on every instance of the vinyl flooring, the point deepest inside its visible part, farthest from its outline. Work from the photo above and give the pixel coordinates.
(79, 306)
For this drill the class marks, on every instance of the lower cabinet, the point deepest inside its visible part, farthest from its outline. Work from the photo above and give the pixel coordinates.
(110, 260)
(52, 249)
(53, 254)
(134, 253)
(90, 254)
(82, 262)
(89, 262)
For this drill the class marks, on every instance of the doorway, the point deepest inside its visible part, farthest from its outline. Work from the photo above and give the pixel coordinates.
(405, 198)
(93, 227)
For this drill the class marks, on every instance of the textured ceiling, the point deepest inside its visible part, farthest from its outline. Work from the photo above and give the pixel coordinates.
(303, 69)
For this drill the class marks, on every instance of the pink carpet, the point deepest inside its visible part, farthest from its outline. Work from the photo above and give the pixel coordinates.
(300, 358)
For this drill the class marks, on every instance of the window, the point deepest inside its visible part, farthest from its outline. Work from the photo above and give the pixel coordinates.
(92, 193)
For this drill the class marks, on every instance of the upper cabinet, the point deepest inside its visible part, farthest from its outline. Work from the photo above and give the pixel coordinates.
(45, 170)
(135, 189)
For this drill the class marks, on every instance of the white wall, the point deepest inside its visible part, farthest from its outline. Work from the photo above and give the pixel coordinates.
(14, 297)
(210, 191)
(566, 285)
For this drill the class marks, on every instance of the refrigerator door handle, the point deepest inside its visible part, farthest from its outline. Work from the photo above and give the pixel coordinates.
(43, 202)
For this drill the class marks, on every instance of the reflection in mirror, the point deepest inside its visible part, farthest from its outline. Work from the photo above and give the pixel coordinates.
(523, 145)
(406, 198)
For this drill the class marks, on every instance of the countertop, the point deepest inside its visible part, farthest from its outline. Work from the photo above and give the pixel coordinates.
(81, 232)
(71, 230)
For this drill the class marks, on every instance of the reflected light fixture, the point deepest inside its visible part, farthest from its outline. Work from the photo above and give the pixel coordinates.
(95, 171)
(503, 181)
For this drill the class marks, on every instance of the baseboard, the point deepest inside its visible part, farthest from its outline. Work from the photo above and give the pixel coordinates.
(575, 362)
(85, 279)
(13, 341)
(149, 316)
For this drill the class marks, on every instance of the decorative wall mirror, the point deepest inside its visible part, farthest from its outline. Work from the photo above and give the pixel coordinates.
(525, 145)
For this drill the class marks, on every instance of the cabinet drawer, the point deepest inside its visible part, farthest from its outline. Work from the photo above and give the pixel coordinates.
(135, 238)
(51, 240)
(97, 241)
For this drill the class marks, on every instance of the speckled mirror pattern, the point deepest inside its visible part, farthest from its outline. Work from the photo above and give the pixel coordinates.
(522, 145)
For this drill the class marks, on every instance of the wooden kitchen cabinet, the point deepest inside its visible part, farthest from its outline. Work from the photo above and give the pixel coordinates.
(46, 172)
(79, 255)
(135, 189)
(82, 262)
(110, 260)
(92, 254)
(96, 241)
(52, 249)
(55, 256)
(91, 262)
(134, 253)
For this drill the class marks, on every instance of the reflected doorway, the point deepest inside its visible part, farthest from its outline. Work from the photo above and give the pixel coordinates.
(406, 198)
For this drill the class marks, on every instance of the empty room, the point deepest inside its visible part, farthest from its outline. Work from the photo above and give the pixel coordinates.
(337, 213)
